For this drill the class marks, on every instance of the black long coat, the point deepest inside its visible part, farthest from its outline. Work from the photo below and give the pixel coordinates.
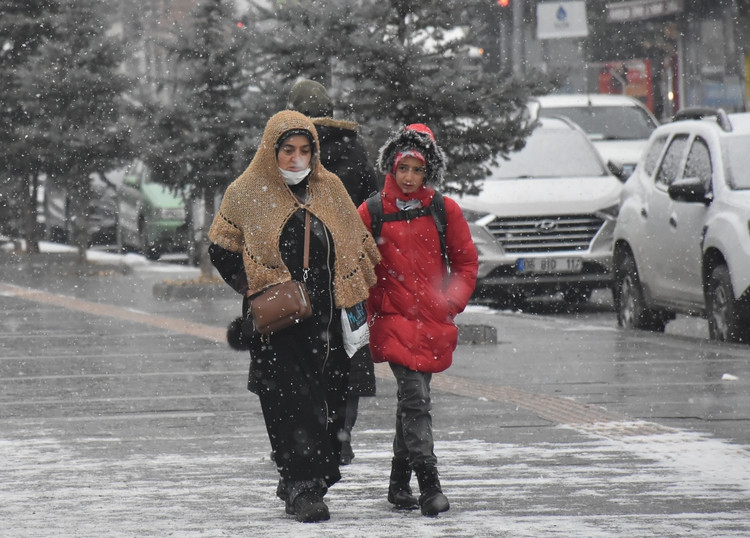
(342, 153)
(300, 374)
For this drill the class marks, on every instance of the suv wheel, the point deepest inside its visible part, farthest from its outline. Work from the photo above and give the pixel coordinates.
(727, 320)
(632, 312)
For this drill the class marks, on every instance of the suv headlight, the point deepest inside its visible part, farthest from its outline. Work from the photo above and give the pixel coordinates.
(609, 213)
(471, 215)
(482, 218)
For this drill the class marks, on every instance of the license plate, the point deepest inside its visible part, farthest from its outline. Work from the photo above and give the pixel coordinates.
(549, 265)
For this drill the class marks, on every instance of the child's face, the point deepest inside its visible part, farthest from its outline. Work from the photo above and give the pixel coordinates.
(409, 174)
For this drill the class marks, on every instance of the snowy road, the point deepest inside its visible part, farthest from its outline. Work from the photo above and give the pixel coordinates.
(119, 419)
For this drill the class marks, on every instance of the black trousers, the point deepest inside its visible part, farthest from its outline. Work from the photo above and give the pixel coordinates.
(303, 396)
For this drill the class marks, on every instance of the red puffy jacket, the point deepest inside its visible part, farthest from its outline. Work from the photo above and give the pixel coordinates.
(411, 308)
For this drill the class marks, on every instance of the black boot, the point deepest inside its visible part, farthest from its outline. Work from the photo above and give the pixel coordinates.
(431, 501)
(399, 490)
(281, 490)
(305, 501)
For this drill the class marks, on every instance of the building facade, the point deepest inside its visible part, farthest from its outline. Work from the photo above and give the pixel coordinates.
(695, 50)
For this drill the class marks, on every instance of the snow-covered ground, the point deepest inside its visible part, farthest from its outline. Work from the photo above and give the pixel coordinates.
(106, 255)
(160, 438)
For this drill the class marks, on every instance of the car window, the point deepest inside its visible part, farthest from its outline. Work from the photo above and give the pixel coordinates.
(737, 158)
(607, 122)
(551, 153)
(670, 165)
(653, 154)
(698, 163)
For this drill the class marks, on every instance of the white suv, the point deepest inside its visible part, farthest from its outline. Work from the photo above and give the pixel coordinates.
(617, 125)
(543, 220)
(682, 238)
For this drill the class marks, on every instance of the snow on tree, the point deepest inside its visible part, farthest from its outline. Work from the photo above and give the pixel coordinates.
(24, 24)
(200, 130)
(71, 97)
(398, 62)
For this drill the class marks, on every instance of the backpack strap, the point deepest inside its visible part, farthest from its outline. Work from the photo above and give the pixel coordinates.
(436, 209)
(375, 207)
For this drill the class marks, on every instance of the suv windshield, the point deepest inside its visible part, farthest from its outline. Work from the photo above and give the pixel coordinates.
(551, 153)
(607, 122)
(738, 162)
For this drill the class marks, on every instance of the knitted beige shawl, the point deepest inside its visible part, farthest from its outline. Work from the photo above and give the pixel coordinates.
(257, 204)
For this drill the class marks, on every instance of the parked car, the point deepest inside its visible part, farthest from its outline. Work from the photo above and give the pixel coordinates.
(682, 242)
(101, 213)
(543, 221)
(151, 216)
(618, 125)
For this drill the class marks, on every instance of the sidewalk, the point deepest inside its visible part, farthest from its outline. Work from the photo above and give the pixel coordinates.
(119, 421)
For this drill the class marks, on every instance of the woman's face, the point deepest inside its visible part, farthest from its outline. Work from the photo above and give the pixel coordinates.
(409, 174)
(295, 153)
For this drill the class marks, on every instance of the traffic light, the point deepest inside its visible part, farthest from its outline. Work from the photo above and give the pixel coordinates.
(503, 3)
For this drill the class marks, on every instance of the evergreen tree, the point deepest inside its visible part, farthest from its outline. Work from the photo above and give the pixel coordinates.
(72, 99)
(398, 62)
(24, 24)
(198, 136)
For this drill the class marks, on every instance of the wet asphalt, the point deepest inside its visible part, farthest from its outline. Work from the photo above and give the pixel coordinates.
(124, 414)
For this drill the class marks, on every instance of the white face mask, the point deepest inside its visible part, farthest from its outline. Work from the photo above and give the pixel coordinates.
(292, 178)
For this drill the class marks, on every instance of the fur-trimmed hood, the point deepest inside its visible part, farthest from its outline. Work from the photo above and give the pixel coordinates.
(417, 137)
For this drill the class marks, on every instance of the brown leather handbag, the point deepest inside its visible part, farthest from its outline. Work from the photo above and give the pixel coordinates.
(281, 305)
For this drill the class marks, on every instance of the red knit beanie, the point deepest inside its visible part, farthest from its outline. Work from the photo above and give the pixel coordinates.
(421, 128)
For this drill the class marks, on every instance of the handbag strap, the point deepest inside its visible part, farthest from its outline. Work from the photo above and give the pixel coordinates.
(306, 255)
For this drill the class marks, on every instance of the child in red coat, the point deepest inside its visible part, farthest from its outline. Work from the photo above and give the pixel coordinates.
(412, 306)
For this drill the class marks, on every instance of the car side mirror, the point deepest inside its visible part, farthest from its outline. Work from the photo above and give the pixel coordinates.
(619, 171)
(690, 189)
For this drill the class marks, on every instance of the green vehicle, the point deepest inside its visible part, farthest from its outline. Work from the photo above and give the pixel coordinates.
(151, 216)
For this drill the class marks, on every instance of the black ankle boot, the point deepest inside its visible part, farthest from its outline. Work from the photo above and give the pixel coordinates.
(431, 501)
(399, 490)
(309, 507)
(305, 501)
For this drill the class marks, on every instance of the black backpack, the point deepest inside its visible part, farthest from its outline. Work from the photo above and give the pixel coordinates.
(436, 209)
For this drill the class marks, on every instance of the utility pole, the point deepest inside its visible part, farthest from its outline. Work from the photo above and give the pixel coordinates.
(518, 39)
(734, 50)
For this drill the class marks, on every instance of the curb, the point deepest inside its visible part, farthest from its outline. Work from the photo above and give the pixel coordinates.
(168, 291)
(476, 335)
(60, 263)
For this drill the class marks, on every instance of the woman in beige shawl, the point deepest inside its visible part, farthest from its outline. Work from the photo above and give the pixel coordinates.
(299, 373)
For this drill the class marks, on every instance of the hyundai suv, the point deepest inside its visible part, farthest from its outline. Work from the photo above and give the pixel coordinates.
(682, 239)
(543, 220)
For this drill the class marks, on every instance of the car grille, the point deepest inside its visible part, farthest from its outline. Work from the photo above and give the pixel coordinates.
(545, 234)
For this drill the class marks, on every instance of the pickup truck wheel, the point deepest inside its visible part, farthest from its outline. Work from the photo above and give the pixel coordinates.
(152, 253)
(727, 320)
(632, 312)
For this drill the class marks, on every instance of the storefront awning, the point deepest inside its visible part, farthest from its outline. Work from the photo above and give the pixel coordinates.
(635, 10)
